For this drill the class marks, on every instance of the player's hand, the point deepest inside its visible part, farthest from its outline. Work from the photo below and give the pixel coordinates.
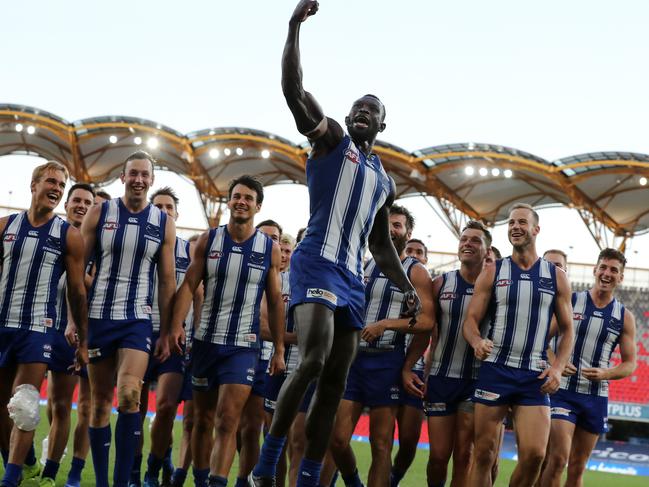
(483, 349)
(413, 384)
(569, 370)
(161, 352)
(177, 340)
(552, 378)
(594, 373)
(277, 365)
(372, 332)
(80, 357)
(413, 304)
(71, 334)
(304, 10)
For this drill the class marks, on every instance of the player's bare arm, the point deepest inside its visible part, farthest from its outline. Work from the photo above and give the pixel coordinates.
(166, 288)
(411, 381)
(424, 323)
(290, 338)
(3, 225)
(76, 292)
(482, 347)
(185, 294)
(276, 318)
(89, 232)
(324, 133)
(627, 353)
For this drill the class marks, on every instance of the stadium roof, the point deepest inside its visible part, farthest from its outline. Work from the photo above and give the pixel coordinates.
(469, 180)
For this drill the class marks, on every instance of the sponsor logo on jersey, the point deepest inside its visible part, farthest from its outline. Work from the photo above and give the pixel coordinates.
(545, 282)
(237, 249)
(556, 411)
(199, 381)
(132, 219)
(10, 237)
(447, 296)
(352, 156)
(486, 395)
(146, 309)
(111, 226)
(48, 322)
(525, 276)
(577, 316)
(469, 290)
(599, 314)
(152, 231)
(47, 347)
(53, 242)
(394, 393)
(251, 374)
(316, 292)
(250, 338)
(257, 258)
(215, 254)
(32, 233)
(503, 282)
(434, 407)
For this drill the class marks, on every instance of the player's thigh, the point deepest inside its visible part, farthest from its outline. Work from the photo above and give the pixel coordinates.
(487, 423)
(131, 365)
(382, 424)
(169, 388)
(31, 373)
(231, 401)
(532, 428)
(343, 352)
(409, 420)
(314, 326)
(583, 442)
(464, 430)
(62, 387)
(441, 436)
(346, 419)
(101, 376)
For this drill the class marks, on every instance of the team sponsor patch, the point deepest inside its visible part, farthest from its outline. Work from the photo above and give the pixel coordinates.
(251, 374)
(486, 395)
(394, 392)
(132, 219)
(546, 283)
(199, 381)
(32, 233)
(146, 309)
(269, 404)
(94, 352)
(237, 249)
(525, 276)
(53, 243)
(47, 347)
(503, 282)
(48, 322)
(215, 254)
(560, 411)
(434, 407)
(250, 338)
(319, 293)
(256, 258)
(152, 230)
(577, 316)
(182, 263)
(352, 155)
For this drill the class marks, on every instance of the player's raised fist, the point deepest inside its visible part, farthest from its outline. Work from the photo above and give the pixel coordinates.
(304, 10)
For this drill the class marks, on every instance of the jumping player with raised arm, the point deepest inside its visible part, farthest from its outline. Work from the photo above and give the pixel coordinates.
(525, 292)
(350, 195)
(37, 248)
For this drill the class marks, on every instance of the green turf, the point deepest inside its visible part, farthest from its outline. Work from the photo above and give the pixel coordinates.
(416, 476)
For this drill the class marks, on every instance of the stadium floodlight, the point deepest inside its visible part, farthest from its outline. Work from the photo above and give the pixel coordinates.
(508, 173)
(643, 181)
(239, 151)
(137, 140)
(265, 153)
(495, 172)
(112, 139)
(227, 152)
(19, 127)
(483, 171)
(214, 153)
(31, 130)
(152, 143)
(469, 171)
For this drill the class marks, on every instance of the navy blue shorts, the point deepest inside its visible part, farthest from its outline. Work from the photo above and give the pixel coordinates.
(62, 354)
(317, 280)
(186, 391)
(106, 337)
(214, 365)
(174, 364)
(19, 346)
(259, 384)
(587, 411)
(374, 379)
(274, 384)
(410, 400)
(498, 384)
(445, 394)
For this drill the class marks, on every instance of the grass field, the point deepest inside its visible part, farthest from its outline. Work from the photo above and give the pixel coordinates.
(416, 476)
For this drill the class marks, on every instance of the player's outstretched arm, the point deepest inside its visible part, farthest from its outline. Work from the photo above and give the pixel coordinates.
(276, 318)
(308, 115)
(166, 288)
(482, 347)
(76, 290)
(627, 353)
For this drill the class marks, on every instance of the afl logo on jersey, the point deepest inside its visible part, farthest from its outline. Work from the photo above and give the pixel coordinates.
(352, 156)
(447, 296)
(577, 316)
(10, 237)
(285, 297)
(111, 226)
(215, 254)
(503, 282)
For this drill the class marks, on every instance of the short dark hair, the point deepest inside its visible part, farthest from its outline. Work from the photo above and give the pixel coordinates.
(140, 154)
(525, 206)
(103, 194)
(250, 182)
(496, 252)
(478, 225)
(609, 253)
(369, 95)
(84, 186)
(165, 191)
(416, 240)
(270, 223)
(402, 210)
(300, 235)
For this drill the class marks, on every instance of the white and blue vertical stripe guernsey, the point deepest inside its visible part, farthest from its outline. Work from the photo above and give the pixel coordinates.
(32, 265)
(127, 251)
(181, 256)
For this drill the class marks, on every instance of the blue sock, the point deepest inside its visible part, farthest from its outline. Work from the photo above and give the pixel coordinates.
(100, 446)
(334, 479)
(309, 473)
(5, 457)
(167, 463)
(12, 476)
(136, 477)
(50, 470)
(353, 480)
(153, 466)
(200, 476)
(30, 459)
(269, 456)
(241, 482)
(76, 469)
(179, 476)
(127, 436)
(217, 481)
(395, 477)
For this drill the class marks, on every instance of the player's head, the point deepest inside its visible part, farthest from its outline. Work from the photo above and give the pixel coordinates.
(300, 235)
(81, 197)
(366, 118)
(523, 226)
(475, 240)
(401, 224)
(286, 245)
(166, 199)
(417, 249)
(270, 228)
(48, 184)
(496, 253)
(245, 197)
(558, 257)
(137, 175)
(609, 271)
(101, 196)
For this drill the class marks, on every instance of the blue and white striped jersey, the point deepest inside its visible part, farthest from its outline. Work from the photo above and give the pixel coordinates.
(420, 363)
(126, 253)
(523, 304)
(346, 189)
(384, 300)
(267, 347)
(181, 255)
(290, 351)
(61, 304)
(453, 357)
(32, 265)
(235, 280)
(597, 333)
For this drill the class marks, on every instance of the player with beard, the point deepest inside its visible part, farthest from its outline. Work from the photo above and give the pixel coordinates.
(62, 379)
(580, 407)
(128, 239)
(237, 264)
(350, 195)
(374, 379)
(525, 292)
(38, 247)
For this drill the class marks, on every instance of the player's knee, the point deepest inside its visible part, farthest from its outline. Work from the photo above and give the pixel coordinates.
(380, 446)
(24, 408)
(166, 408)
(128, 398)
(83, 411)
(311, 366)
(557, 461)
(61, 408)
(227, 424)
(485, 453)
(532, 457)
(576, 467)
